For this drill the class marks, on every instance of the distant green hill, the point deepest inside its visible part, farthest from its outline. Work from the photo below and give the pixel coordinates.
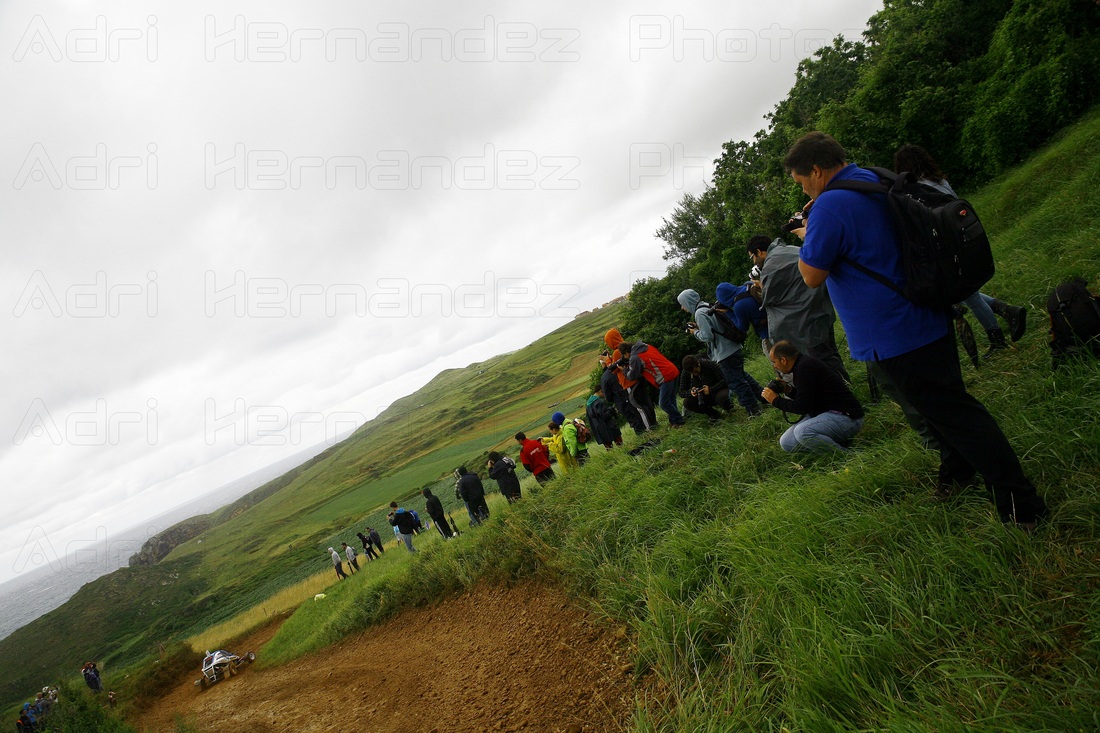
(271, 538)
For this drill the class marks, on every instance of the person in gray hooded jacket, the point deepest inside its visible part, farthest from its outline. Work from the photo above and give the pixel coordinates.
(722, 350)
(796, 312)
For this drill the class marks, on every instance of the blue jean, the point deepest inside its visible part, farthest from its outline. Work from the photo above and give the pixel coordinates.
(978, 303)
(741, 382)
(820, 433)
(666, 398)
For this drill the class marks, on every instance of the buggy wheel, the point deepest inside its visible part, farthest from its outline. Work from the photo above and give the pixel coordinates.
(203, 684)
(251, 657)
(230, 670)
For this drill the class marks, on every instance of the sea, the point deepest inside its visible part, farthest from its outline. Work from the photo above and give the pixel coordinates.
(35, 593)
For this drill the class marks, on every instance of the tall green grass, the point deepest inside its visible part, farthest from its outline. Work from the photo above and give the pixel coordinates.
(776, 592)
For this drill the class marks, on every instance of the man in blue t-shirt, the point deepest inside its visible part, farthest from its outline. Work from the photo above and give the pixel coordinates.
(912, 344)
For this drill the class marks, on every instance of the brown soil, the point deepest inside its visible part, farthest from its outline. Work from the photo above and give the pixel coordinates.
(494, 659)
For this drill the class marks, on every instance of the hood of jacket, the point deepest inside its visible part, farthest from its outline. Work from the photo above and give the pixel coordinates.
(688, 300)
(726, 292)
(613, 338)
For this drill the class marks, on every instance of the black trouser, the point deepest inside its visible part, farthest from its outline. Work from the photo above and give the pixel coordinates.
(642, 402)
(544, 475)
(443, 527)
(828, 353)
(930, 378)
(369, 551)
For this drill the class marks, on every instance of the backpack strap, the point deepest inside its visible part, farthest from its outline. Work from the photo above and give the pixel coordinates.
(888, 180)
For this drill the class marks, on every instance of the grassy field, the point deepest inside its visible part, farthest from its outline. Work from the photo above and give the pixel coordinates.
(274, 540)
(766, 591)
(775, 592)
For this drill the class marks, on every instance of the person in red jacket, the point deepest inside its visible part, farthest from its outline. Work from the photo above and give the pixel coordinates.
(648, 362)
(535, 457)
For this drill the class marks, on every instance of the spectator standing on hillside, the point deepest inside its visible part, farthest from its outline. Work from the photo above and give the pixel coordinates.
(376, 538)
(642, 415)
(349, 552)
(602, 420)
(831, 414)
(647, 362)
(912, 344)
(555, 442)
(368, 550)
(798, 313)
(403, 524)
(434, 507)
(575, 445)
(746, 311)
(502, 469)
(614, 394)
(535, 457)
(337, 563)
(91, 677)
(722, 350)
(472, 492)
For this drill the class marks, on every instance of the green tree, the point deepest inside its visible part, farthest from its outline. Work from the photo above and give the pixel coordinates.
(1040, 75)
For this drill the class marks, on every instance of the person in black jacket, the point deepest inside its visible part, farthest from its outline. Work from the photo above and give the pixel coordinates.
(434, 507)
(473, 493)
(502, 469)
(603, 420)
(703, 386)
(831, 413)
(368, 546)
(405, 524)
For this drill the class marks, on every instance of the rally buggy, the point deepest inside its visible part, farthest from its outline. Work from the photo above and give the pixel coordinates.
(221, 664)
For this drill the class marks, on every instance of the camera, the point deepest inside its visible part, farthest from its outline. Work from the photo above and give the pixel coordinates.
(778, 386)
(797, 221)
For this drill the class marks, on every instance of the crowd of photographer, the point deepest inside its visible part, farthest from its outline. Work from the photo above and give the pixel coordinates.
(854, 242)
(34, 715)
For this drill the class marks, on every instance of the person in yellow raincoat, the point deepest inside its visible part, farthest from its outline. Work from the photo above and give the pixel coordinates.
(556, 443)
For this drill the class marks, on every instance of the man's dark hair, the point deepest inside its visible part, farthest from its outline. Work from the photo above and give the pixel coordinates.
(393, 505)
(494, 456)
(758, 243)
(689, 362)
(918, 161)
(553, 426)
(521, 437)
(784, 350)
(814, 148)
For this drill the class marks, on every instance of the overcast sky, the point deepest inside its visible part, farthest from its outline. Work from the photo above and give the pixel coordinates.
(235, 230)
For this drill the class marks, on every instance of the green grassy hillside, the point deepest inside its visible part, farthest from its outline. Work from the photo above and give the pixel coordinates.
(765, 591)
(275, 536)
(775, 592)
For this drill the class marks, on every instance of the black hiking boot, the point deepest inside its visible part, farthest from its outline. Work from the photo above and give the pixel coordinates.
(996, 342)
(1015, 315)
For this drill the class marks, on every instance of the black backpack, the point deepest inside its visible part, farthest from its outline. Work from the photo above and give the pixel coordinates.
(945, 252)
(1074, 320)
(726, 326)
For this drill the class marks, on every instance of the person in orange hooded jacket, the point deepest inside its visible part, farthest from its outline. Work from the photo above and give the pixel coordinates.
(641, 415)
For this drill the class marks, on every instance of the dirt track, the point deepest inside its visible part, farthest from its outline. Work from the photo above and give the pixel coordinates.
(517, 659)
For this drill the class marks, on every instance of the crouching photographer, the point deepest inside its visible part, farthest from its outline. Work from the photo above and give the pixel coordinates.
(703, 387)
(831, 414)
